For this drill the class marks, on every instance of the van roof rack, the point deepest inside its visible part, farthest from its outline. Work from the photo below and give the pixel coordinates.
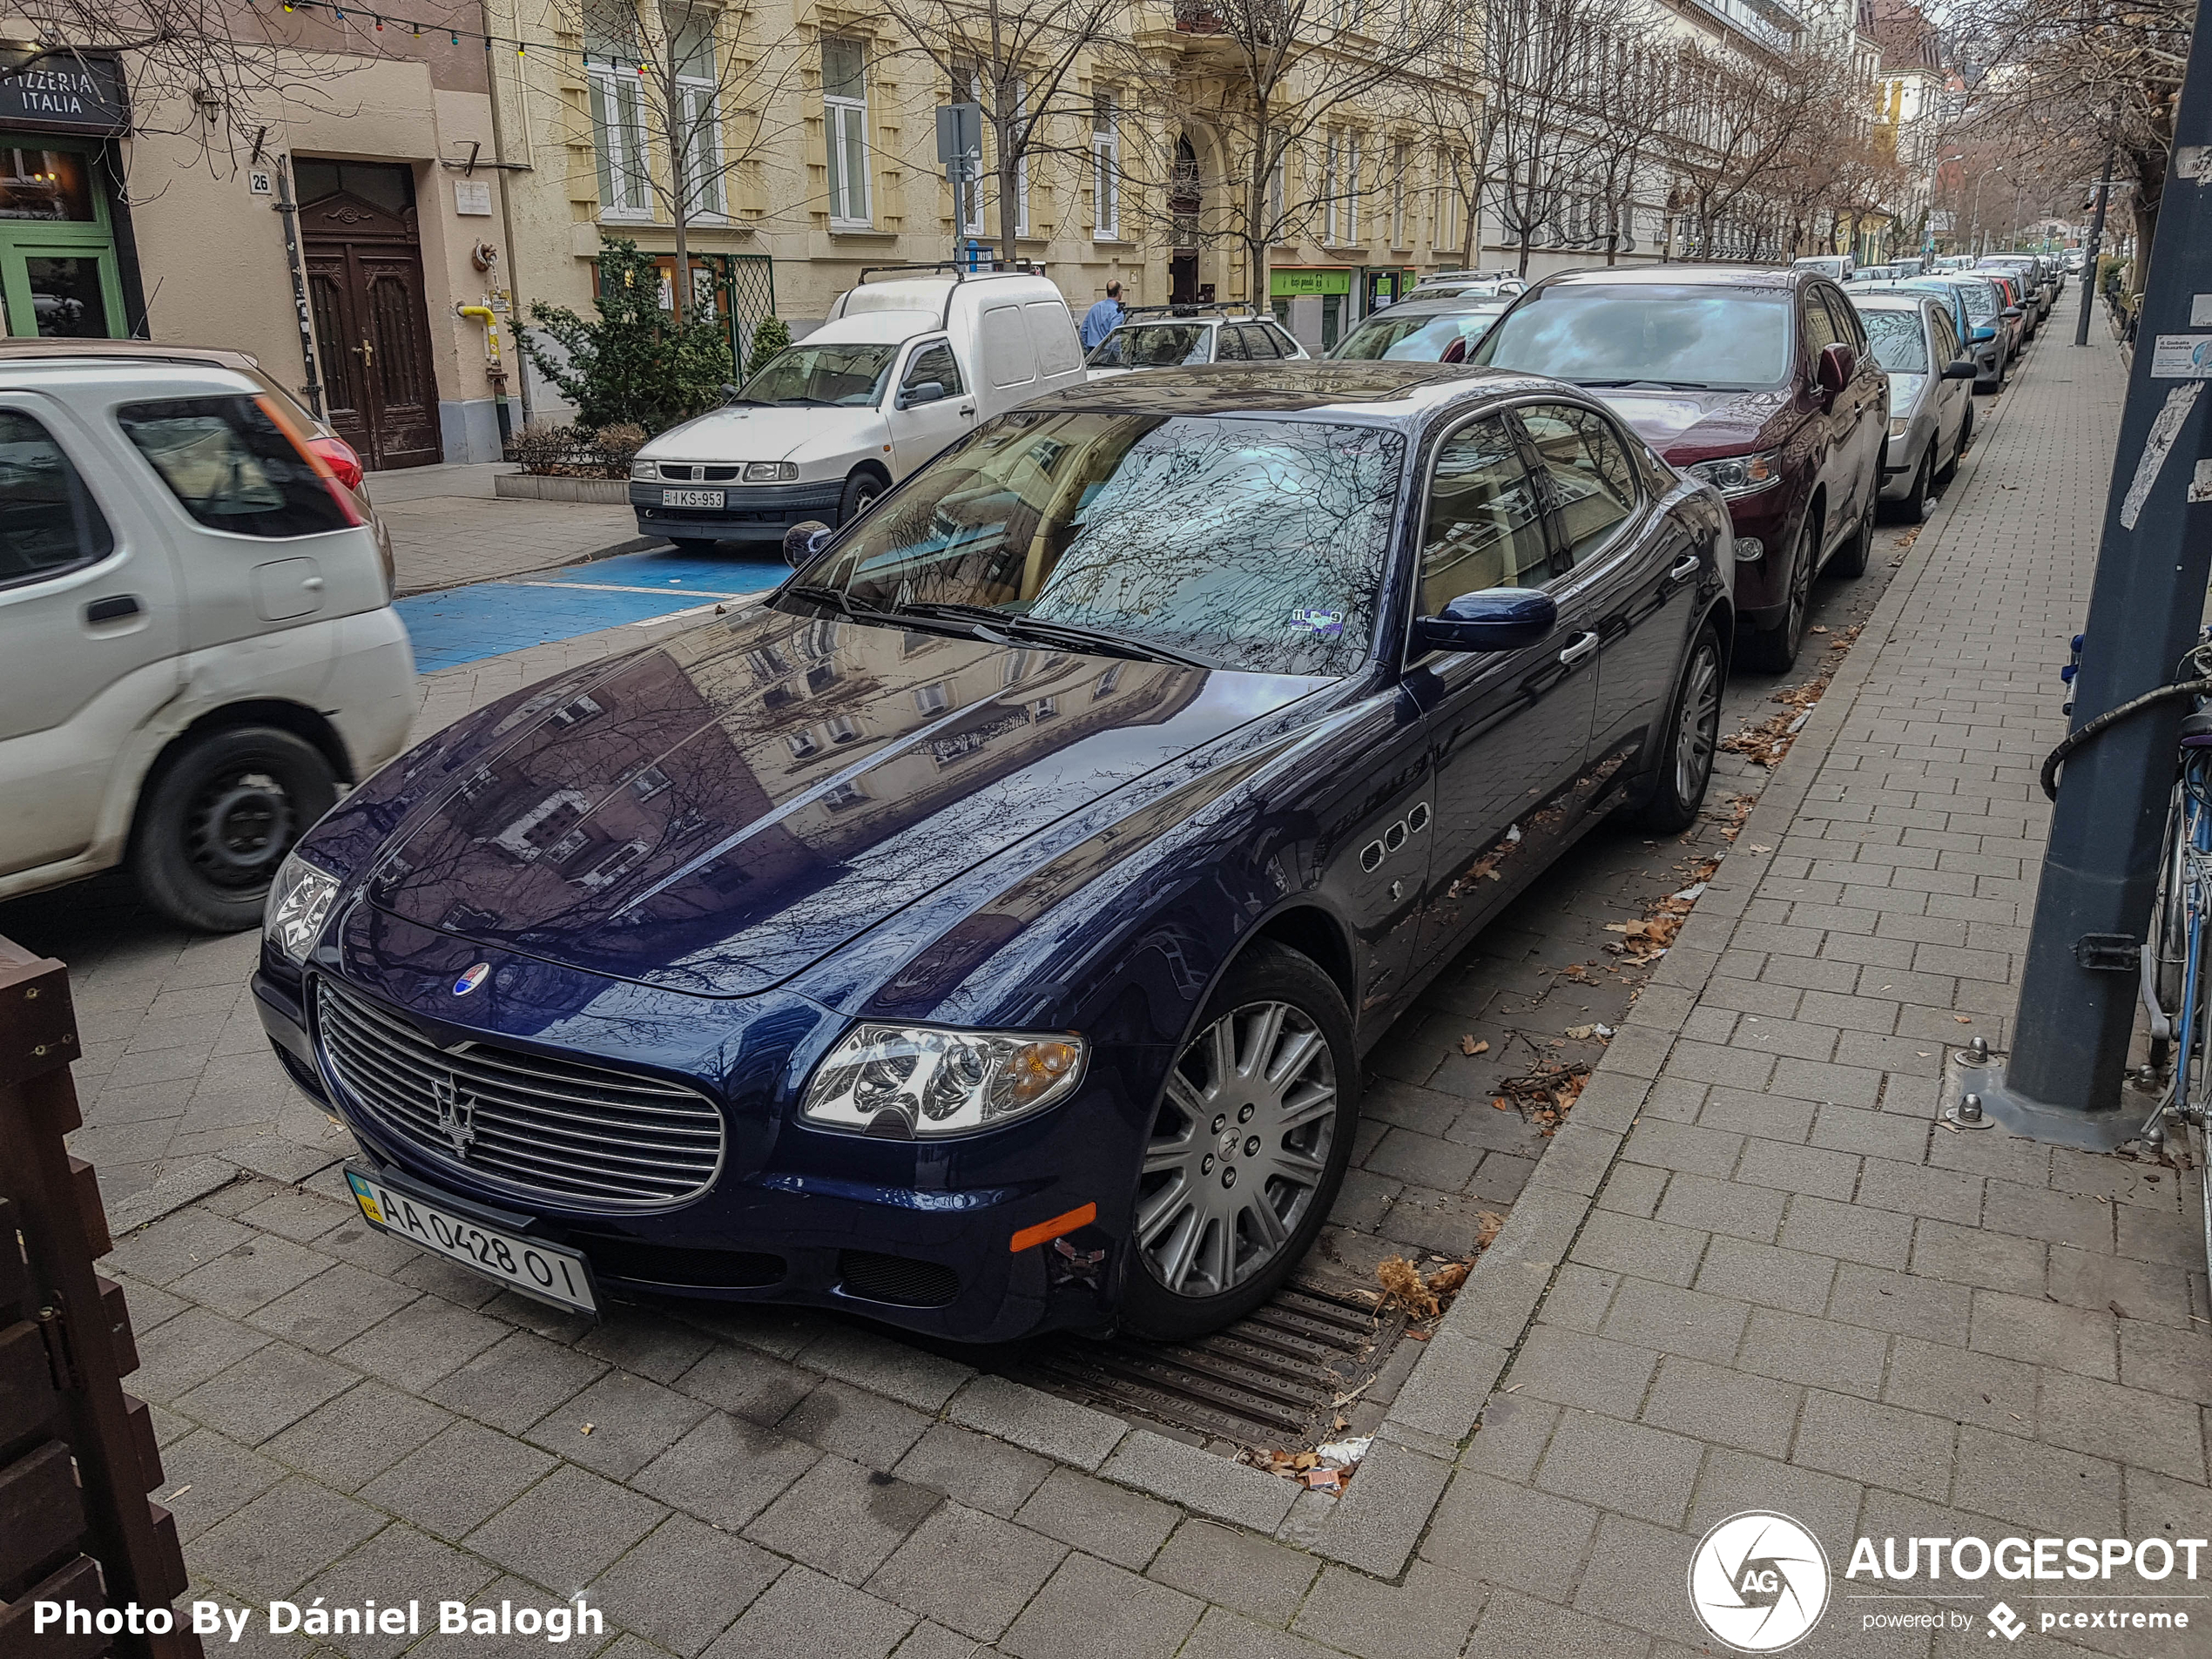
(958, 272)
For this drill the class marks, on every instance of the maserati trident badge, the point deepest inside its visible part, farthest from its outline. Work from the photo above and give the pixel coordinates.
(456, 1115)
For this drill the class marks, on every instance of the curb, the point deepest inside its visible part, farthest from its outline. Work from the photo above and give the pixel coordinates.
(1376, 1525)
(632, 545)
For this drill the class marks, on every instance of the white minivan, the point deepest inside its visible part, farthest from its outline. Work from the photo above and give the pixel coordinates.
(902, 367)
(197, 638)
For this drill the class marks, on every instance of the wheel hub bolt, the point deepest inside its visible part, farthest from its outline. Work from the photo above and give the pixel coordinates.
(1220, 1122)
(1244, 1116)
(1228, 1177)
(1205, 1165)
(1252, 1147)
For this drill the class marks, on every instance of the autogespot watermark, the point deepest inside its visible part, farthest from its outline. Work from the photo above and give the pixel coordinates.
(557, 1625)
(1760, 1582)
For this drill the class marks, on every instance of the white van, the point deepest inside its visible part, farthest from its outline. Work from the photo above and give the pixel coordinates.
(197, 638)
(902, 367)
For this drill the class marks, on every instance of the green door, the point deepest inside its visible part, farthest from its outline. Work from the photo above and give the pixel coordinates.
(57, 269)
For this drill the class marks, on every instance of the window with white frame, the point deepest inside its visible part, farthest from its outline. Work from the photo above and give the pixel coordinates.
(845, 126)
(1400, 162)
(1352, 192)
(613, 57)
(1105, 170)
(697, 108)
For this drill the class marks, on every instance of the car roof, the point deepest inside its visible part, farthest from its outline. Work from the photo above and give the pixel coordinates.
(1896, 299)
(139, 350)
(1684, 276)
(1442, 305)
(1379, 393)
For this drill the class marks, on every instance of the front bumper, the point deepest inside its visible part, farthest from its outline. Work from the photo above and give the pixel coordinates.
(1901, 458)
(1762, 584)
(914, 1234)
(750, 512)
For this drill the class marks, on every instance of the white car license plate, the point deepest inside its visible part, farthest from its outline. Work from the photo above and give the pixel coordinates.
(544, 1270)
(692, 498)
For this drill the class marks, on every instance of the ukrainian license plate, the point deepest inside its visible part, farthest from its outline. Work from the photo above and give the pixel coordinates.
(693, 498)
(533, 1265)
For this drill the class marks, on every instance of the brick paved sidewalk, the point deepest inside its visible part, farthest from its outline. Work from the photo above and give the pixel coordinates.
(1785, 1287)
(447, 529)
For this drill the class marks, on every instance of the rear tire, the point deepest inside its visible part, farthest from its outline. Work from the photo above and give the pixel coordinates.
(218, 817)
(1692, 733)
(1188, 1237)
(1852, 558)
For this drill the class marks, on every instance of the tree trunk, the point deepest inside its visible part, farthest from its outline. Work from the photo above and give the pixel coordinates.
(1011, 144)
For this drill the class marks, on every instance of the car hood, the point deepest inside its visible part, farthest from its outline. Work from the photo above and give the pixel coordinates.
(717, 813)
(768, 433)
(1905, 392)
(1695, 426)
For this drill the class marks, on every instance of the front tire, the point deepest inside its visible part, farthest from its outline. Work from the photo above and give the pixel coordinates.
(218, 818)
(862, 491)
(1916, 507)
(1693, 732)
(1247, 1148)
(1775, 650)
(1852, 558)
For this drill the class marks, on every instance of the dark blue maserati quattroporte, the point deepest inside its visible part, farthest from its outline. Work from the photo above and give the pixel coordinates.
(983, 932)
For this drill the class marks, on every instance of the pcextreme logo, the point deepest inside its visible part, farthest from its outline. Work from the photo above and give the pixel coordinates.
(1758, 1582)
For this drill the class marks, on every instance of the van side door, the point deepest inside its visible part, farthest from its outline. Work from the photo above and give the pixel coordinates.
(922, 422)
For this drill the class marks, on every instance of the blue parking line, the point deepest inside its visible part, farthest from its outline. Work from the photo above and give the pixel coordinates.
(457, 625)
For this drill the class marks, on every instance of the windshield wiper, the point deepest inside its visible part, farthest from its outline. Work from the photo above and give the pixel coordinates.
(836, 598)
(1052, 633)
(1671, 386)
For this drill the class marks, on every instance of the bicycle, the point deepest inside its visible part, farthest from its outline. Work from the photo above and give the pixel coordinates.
(2176, 979)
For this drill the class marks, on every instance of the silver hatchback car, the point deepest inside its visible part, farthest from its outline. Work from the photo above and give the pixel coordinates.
(1931, 395)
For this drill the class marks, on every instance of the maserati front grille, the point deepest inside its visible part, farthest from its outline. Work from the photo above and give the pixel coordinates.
(582, 1135)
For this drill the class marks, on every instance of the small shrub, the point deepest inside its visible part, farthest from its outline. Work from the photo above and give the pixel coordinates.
(770, 337)
(544, 447)
(618, 445)
(633, 363)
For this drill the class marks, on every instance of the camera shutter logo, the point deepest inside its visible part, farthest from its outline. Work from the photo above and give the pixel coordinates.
(1758, 1582)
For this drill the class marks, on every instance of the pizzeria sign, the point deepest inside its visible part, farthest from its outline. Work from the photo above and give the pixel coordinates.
(65, 92)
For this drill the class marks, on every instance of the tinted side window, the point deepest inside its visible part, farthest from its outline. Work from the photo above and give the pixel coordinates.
(1586, 471)
(1485, 529)
(1228, 345)
(48, 521)
(1259, 342)
(1946, 340)
(1285, 346)
(1848, 329)
(232, 467)
(1820, 328)
(934, 362)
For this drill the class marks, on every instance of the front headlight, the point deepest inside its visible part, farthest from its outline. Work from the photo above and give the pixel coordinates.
(646, 470)
(299, 904)
(906, 1081)
(771, 472)
(1899, 424)
(1738, 476)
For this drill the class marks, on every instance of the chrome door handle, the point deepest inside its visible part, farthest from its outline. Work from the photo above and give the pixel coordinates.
(1583, 646)
(313, 585)
(1684, 570)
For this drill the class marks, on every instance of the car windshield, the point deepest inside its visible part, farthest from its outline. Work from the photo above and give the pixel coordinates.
(1900, 338)
(1152, 344)
(1255, 544)
(842, 375)
(1981, 299)
(1594, 335)
(1418, 338)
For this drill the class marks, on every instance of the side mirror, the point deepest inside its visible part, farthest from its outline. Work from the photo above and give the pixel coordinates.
(1838, 363)
(1984, 333)
(1494, 619)
(1959, 368)
(729, 393)
(803, 540)
(921, 392)
(2012, 311)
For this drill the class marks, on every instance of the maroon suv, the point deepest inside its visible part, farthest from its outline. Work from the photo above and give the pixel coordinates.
(1757, 381)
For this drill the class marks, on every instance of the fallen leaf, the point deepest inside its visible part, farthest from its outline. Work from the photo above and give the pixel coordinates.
(588, 1427)
(1962, 1019)
(1820, 628)
(1401, 1283)
(1499, 1104)
(1304, 1460)
(1469, 1045)
(1756, 847)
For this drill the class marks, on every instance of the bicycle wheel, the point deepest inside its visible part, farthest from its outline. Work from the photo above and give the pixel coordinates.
(2165, 948)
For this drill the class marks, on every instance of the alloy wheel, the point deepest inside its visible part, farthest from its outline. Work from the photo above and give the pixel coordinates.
(1793, 625)
(1699, 731)
(1239, 1149)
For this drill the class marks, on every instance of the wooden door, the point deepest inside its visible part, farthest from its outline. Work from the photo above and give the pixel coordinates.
(365, 286)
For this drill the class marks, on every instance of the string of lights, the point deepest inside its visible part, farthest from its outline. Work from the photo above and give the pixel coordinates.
(418, 29)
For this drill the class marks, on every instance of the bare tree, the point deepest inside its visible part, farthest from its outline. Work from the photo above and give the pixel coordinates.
(1747, 116)
(680, 98)
(1635, 88)
(1288, 91)
(1018, 59)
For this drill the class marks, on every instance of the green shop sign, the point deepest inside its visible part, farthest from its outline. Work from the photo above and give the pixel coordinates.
(1283, 283)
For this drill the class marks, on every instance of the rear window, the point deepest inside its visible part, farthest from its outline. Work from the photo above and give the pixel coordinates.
(1644, 334)
(232, 468)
